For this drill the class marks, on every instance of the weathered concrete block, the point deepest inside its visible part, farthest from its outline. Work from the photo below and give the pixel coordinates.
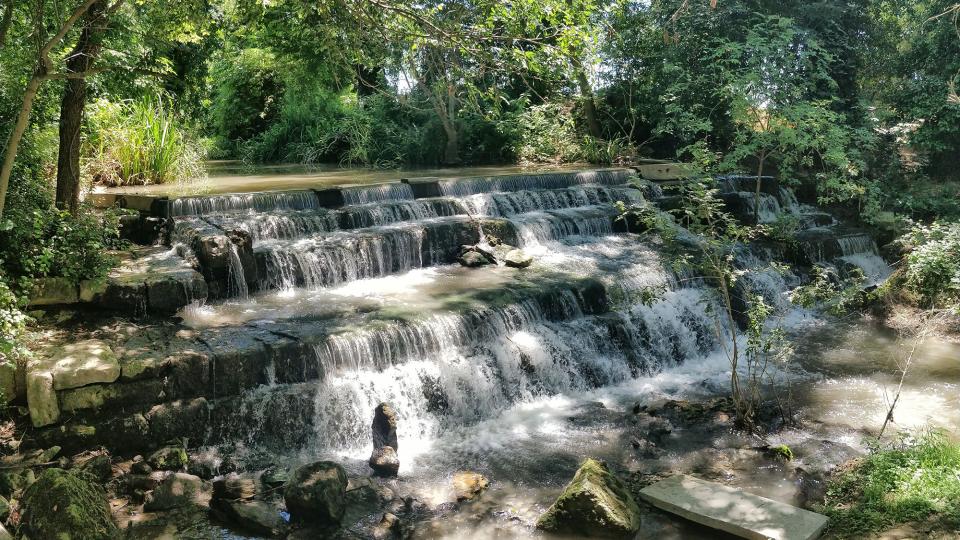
(53, 291)
(92, 290)
(86, 362)
(42, 398)
(112, 395)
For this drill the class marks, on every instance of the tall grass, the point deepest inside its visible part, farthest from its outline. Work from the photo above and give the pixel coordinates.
(141, 142)
(915, 480)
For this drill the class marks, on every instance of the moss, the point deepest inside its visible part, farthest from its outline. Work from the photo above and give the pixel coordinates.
(171, 458)
(594, 503)
(782, 451)
(66, 505)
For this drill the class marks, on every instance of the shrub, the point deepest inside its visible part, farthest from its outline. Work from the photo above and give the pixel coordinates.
(915, 479)
(141, 142)
(933, 265)
(544, 133)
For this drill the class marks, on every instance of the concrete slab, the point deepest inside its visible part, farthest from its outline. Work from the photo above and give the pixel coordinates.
(664, 171)
(732, 510)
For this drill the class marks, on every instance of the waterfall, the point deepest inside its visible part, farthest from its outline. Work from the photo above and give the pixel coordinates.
(379, 193)
(278, 225)
(471, 186)
(539, 227)
(236, 277)
(261, 202)
(512, 203)
(372, 215)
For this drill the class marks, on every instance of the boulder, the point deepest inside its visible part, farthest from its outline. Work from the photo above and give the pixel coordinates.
(66, 505)
(316, 493)
(518, 258)
(594, 504)
(472, 259)
(384, 427)
(468, 485)
(176, 491)
(14, 480)
(53, 291)
(234, 487)
(42, 399)
(384, 461)
(86, 362)
(275, 477)
(100, 467)
(169, 458)
(258, 517)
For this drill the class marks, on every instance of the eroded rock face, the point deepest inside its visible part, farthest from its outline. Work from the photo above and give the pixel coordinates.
(594, 504)
(66, 505)
(316, 493)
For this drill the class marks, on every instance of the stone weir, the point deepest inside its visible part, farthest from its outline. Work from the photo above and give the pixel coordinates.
(300, 311)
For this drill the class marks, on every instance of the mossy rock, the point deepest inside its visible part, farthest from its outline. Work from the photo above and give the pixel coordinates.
(170, 458)
(316, 493)
(66, 505)
(594, 504)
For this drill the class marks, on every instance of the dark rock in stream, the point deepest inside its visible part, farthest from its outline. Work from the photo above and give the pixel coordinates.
(169, 458)
(177, 490)
(316, 494)
(384, 460)
(389, 527)
(257, 517)
(66, 504)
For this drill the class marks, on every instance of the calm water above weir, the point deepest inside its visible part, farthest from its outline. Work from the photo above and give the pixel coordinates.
(520, 374)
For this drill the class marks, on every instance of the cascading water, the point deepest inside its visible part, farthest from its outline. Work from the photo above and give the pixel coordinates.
(383, 192)
(260, 202)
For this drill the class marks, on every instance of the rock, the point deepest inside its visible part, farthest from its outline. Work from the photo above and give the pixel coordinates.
(12, 481)
(8, 382)
(42, 398)
(645, 448)
(139, 466)
(85, 362)
(468, 485)
(275, 477)
(66, 505)
(594, 504)
(258, 517)
(518, 258)
(316, 493)
(234, 486)
(176, 491)
(92, 290)
(99, 467)
(389, 527)
(384, 427)
(472, 259)
(47, 455)
(384, 461)
(170, 458)
(53, 291)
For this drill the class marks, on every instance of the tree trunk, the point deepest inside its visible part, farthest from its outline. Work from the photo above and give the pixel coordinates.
(5, 21)
(589, 102)
(19, 127)
(448, 117)
(71, 108)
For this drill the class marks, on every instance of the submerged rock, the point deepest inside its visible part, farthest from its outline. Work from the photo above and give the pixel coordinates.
(316, 493)
(66, 505)
(472, 259)
(594, 504)
(176, 491)
(389, 527)
(468, 485)
(234, 486)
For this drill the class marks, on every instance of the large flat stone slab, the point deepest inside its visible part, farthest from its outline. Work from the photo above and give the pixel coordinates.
(85, 362)
(732, 510)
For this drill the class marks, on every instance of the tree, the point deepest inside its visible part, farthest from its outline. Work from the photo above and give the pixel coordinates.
(79, 61)
(44, 70)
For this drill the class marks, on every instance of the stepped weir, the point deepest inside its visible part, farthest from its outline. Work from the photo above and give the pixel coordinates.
(316, 305)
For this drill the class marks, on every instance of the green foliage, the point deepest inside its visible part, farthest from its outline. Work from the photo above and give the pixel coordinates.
(933, 264)
(782, 451)
(247, 95)
(837, 296)
(141, 142)
(545, 133)
(913, 480)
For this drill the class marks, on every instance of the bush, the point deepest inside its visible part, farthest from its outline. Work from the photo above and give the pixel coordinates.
(544, 133)
(141, 142)
(916, 479)
(933, 265)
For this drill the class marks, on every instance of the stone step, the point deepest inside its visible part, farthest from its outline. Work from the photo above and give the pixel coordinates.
(732, 510)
